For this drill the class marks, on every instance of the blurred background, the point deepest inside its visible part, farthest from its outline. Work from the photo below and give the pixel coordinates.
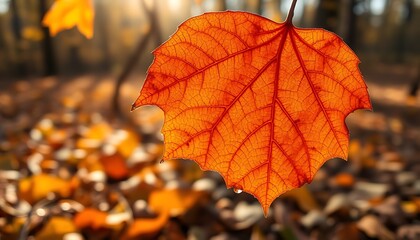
(75, 163)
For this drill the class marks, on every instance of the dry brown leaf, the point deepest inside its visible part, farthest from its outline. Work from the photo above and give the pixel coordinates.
(304, 198)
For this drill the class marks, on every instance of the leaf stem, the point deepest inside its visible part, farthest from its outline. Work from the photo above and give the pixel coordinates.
(291, 12)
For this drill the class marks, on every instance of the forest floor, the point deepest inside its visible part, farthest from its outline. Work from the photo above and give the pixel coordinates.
(68, 160)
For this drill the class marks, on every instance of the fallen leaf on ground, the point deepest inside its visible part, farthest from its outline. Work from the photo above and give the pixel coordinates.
(347, 231)
(146, 226)
(373, 228)
(99, 131)
(90, 217)
(304, 198)
(344, 180)
(56, 228)
(128, 142)
(165, 203)
(115, 166)
(38, 187)
(174, 201)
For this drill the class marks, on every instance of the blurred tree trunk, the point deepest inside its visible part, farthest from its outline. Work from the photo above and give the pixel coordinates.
(3, 48)
(327, 14)
(255, 6)
(49, 63)
(220, 5)
(103, 28)
(155, 31)
(347, 21)
(260, 7)
(309, 15)
(276, 3)
(273, 10)
(19, 68)
(406, 16)
(397, 16)
(414, 86)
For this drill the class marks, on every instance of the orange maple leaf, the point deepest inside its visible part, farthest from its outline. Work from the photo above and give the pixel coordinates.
(262, 103)
(65, 14)
(143, 227)
(90, 217)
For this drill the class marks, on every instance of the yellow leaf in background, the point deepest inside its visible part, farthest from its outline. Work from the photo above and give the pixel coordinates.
(128, 141)
(146, 226)
(65, 14)
(37, 187)
(99, 131)
(174, 201)
(56, 228)
(12, 228)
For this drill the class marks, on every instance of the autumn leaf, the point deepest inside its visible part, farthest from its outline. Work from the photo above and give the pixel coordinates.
(166, 203)
(262, 103)
(90, 217)
(114, 166)
(146, 226)
(304, 198)
(38, 187)
(65, 14)
(179, 200)
(56, 228)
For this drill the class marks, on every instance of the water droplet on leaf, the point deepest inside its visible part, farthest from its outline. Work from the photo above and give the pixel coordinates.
(237, 190)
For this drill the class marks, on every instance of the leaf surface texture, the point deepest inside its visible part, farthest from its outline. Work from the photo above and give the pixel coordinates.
(260, 102)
